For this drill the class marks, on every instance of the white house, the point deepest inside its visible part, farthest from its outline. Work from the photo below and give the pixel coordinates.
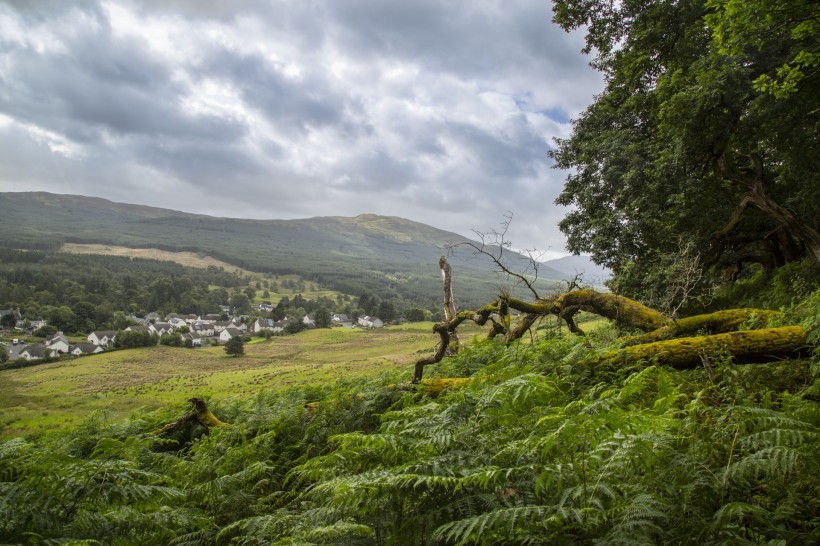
(370, 322)
(177, 322)
(204, 328)
(221, 325)
(196, 339)
(262, 324)
(308, 320)
(228, 333)
(340, 319)
(86, 349)
(36, 351)
(58, 343)
(279, 326)
(36, 324)
(160, 328)
(102, 337)
(241, 326)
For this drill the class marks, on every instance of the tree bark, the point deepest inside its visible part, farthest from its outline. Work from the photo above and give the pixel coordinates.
(450, 311)
(755, 184)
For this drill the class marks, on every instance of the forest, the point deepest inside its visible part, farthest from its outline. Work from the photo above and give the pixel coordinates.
(81, 293)
(693, 175)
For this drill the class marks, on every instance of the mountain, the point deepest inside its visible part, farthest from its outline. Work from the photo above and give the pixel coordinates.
(383, 255)
(582, 265)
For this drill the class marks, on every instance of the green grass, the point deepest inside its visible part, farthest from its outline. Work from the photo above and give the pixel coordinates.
(61, 394)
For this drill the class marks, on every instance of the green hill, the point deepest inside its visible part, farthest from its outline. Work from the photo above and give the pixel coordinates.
(390, 256)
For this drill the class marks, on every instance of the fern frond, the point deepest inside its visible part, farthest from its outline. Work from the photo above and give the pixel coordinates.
(471, 530)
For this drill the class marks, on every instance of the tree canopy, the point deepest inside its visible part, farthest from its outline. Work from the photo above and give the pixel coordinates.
(699, 141)
(235, 346)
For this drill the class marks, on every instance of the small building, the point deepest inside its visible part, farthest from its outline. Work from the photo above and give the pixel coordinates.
(262, 324)
(85, 349)
(221, 325)
(160, 328)
(177, 322)
(370, 322)
(36, 351)
(103, 338)
(228, 333)
(204, 328)
(196, 339)
(58, 343)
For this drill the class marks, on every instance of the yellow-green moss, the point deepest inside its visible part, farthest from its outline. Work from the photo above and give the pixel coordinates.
(718, 322)
(746, 346)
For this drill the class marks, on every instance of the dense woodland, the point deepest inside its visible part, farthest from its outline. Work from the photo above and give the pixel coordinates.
(694, 176)
(81, 293)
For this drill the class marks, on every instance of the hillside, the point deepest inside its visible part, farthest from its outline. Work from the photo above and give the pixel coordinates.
(387, 255)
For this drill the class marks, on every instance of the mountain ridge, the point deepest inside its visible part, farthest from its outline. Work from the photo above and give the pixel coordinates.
(393, 256)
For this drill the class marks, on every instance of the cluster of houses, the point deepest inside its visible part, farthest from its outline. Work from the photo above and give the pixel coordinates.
(53, 346)
(205, 328)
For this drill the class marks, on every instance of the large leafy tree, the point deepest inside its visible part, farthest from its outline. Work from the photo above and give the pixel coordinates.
(687, 147)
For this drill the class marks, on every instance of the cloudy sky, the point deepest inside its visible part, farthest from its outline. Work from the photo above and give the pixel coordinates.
(440, 111)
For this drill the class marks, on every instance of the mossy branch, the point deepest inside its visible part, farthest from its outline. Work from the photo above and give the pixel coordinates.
(200, 414)
(685, 353)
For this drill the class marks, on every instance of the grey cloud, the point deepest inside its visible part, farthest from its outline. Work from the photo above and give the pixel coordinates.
(415, 143)
(288, 102)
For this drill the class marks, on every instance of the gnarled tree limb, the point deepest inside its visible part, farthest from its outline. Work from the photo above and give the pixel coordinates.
(200, 414)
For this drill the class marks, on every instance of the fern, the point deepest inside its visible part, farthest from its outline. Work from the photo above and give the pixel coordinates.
(488, 528)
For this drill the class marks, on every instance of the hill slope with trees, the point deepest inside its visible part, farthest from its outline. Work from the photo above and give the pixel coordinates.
(391, 257)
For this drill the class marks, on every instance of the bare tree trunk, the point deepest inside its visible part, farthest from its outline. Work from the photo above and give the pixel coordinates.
(755, 183)
(450, 311)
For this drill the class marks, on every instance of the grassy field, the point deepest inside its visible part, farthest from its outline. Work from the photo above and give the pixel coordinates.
(64, 393)
(189, 259)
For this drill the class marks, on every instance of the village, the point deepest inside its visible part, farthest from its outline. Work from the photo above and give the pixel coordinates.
(193, 331)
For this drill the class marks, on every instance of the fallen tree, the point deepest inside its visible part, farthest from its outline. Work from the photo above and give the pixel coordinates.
(661, 340)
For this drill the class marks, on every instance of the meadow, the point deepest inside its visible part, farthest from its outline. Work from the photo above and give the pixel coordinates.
(62, 394)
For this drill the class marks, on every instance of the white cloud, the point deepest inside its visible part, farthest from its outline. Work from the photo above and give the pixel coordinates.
(438, 112)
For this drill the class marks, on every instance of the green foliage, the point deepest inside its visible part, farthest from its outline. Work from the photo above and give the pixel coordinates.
(414, 315)
(322, 317)
(682, 159)
(133, 339)
(235, 346)
(791, 25)
(536, 448)
(172, 339)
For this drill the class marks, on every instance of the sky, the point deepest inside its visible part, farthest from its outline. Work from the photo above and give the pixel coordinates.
(438, 111)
